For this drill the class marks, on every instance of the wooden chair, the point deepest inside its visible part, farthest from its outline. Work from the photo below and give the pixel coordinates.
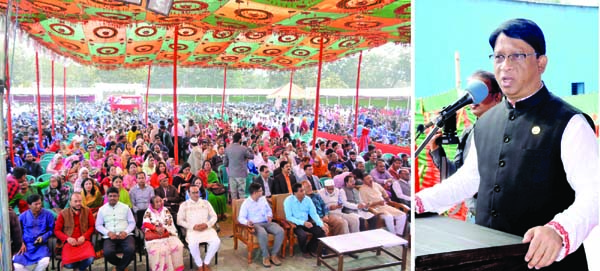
(288, 227)
(245, 234)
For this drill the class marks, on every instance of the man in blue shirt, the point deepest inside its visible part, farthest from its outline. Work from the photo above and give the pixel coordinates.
(298, 208)
(37, 226)
(256, 213)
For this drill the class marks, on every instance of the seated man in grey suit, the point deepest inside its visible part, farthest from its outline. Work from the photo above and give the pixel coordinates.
(265, 180)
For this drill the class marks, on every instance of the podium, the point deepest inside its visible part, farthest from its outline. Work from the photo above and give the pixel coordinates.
(442, 243)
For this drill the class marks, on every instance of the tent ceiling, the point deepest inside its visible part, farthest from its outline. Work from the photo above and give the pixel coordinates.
(267, 34)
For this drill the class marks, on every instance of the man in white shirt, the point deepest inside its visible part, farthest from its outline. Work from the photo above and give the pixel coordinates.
(334, 199)
(116, 223)
(198, 217)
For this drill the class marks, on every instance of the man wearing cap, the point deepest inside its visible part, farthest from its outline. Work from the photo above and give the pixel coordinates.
(334, 199)
(533, 159)
(195, 159)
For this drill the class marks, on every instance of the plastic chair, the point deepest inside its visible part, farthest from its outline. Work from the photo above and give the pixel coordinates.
(44, 177)
(249, 180)
(30, 179)
(387, 156)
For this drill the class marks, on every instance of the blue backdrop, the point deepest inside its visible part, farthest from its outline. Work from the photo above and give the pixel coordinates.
(443, 27)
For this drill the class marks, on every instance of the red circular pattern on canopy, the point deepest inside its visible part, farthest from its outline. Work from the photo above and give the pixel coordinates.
(108, 50)
(222, 34)
(253, 14)
(241, 49)
(317, 40)
(212, 49)
(189, 6)
(114, 16)
(316, 21)
(140, 59)
(203, 58)
(257, 60)
(349, 43)
(362, 24)
(145, 31)
(144, 48)
(105, 32)
(180, 47)
(48, 6)
(62, 29)
(300, 52)
(284, 61)
(70, 46)
(271, 51)
(229, 58)
(187, 31)
(288, 38)
(255, 35)
(357, 4)
(107, 61)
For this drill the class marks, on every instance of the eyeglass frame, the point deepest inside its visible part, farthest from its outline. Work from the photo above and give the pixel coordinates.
(513, 57)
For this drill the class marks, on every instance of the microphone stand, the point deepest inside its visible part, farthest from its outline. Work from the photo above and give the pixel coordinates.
(439, 124)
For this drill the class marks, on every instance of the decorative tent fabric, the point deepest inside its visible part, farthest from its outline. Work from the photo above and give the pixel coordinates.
(267, 34)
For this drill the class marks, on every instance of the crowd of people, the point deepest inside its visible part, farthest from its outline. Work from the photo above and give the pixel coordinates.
(108, 173)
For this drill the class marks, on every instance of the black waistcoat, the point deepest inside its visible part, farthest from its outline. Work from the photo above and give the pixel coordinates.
(522, 180)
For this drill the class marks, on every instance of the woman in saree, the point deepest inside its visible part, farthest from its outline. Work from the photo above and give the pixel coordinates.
(161, 168)
(164, 254)
(183, 179)
(210, 180)
(92, 197)
(117, 182)
(149, 166)
(57, 195)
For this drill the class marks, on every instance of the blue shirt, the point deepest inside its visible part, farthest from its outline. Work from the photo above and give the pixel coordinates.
(256, 211)
(34, 227)
(320, 206)
(297, 212)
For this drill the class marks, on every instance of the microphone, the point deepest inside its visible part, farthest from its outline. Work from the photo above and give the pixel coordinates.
(476, 92)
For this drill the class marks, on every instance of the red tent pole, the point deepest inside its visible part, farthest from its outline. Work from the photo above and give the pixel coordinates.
(147, 92)
(52, 97)
(175, 122)
(356, 100)
(65, 94)
(223, 97)
(290, 94)
(316, 128)
(11, 151)
(39, 100)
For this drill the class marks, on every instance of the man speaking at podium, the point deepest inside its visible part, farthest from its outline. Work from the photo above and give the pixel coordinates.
(533, 159)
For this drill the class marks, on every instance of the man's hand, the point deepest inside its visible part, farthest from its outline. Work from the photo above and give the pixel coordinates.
(200, 227)
(72, 241)
(544, 246)
(325, 219)
(333, 207)
(326, 229)
(112, 235)
(269, 219)
(122, 235)
(250, 224)
(361, 206)
(308, 224)
(22, 250)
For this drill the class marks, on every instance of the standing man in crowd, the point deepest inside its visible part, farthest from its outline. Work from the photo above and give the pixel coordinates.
(236, 157)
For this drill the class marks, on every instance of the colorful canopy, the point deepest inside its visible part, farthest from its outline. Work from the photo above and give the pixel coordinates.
(269, 34)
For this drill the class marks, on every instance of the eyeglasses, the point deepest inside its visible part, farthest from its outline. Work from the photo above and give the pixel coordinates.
(197, 192)
(517, 57)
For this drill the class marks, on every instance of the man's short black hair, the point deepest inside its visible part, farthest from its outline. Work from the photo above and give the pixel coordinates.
(254, 187)
(263, 167)
(112, 190)
(282, 164)
(295, 187)
(33, 198)
(307, 166)
(19, 172)
(523, 29)
(237, 137)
